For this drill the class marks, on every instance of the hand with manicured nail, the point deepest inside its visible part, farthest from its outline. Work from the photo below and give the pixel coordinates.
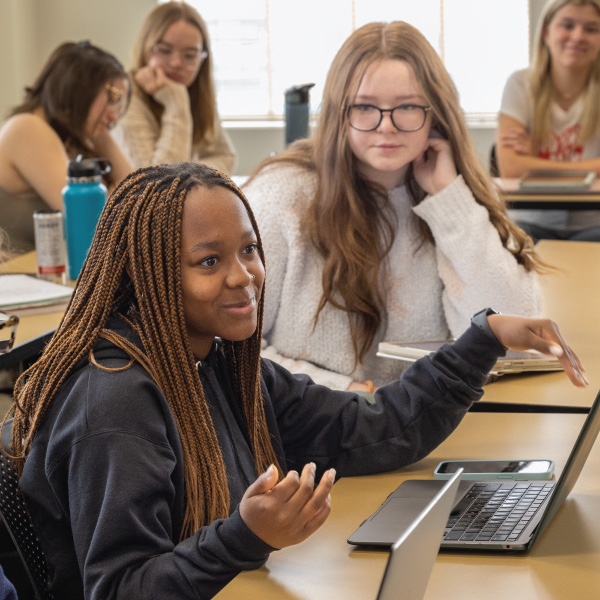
(522, 333)
(285, 513)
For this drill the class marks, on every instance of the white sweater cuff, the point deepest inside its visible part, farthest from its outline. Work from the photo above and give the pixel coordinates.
(451, 208)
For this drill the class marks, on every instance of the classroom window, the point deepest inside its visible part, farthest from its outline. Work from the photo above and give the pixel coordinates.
(262, 47)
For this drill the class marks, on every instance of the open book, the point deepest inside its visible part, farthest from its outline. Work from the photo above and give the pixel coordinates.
(22, 293)
(513, 362)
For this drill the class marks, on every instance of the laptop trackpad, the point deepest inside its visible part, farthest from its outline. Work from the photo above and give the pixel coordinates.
(394, 516)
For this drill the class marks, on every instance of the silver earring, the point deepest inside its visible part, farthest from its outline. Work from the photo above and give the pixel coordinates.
(252, 277)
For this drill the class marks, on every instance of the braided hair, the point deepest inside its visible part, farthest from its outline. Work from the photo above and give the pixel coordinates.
(133, 270)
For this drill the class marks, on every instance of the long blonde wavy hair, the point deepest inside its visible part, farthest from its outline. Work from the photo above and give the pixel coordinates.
(347, 221)
(542, 88)
(133, 270)
(203, 101)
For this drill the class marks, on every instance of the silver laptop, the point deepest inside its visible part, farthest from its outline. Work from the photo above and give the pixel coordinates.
(488, 515)
(413, 554)
(514, 361)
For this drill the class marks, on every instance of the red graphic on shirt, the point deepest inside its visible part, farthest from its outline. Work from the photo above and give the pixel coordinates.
(563, 146)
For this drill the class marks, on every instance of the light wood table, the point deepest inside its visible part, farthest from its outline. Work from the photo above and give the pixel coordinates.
(570, 298)
(564, 564)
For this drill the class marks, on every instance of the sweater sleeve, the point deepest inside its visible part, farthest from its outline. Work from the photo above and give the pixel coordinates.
(410, 416)
(119, 486)
(475, 268)
(148, 142)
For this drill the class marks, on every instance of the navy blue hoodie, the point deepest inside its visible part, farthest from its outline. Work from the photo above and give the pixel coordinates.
(104, 481)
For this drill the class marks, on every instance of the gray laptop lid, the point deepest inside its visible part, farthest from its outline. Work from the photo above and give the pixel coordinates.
(413, 555)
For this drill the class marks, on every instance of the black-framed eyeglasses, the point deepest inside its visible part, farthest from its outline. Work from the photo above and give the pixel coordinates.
(190, 57)
(405, 117)
(7, 340)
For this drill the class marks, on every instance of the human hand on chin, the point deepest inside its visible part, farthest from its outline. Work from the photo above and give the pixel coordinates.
(152, 79)
(435, 169)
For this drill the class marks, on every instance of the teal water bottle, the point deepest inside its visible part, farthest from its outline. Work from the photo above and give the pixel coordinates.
(84, 197)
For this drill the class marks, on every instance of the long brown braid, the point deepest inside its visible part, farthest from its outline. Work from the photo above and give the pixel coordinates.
(133, 269)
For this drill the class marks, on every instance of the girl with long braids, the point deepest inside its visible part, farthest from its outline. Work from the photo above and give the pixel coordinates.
(158, 454)
(383, 226)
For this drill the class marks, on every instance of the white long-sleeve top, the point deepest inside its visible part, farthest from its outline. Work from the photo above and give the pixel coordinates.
(151, 142)
(432, 290)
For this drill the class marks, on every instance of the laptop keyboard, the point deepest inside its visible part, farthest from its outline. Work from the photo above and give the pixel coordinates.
(496, 512)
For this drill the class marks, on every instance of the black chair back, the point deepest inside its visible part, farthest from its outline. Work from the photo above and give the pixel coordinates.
(18, 523)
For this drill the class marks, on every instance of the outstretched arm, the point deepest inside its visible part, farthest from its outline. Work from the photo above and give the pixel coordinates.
(543, 335)
(411, 416)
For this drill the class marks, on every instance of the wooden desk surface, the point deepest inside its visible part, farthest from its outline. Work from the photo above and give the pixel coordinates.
(570, 298)
(565, 562)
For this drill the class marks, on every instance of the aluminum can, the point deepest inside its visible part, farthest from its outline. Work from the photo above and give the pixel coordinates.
(49, 244)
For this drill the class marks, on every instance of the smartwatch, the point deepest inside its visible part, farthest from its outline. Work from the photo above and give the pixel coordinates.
(479, 319)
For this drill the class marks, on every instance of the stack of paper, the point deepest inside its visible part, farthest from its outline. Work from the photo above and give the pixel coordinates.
(18, 292)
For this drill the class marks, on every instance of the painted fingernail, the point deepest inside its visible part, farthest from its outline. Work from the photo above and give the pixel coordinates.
(332, 476)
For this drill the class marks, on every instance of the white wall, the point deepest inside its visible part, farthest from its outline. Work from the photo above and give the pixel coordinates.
(31, 29)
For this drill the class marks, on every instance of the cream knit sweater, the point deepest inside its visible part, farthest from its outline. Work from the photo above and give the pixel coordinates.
(432, 290)
(149, 142)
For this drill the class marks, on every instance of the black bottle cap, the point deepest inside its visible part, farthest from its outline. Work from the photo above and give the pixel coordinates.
(88, 167)
(298, 94)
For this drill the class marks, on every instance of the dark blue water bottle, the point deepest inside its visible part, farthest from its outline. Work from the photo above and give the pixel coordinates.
(297, 109)
(84, 197)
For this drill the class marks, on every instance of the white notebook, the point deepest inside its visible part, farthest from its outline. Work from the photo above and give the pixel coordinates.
(18, 291)
(513, 362)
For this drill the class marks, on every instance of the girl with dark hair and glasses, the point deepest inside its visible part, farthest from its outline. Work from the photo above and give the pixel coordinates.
(383, 226)
(173, 115)
(76, 100)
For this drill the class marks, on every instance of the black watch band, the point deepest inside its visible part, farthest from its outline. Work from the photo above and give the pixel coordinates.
(479, 319)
